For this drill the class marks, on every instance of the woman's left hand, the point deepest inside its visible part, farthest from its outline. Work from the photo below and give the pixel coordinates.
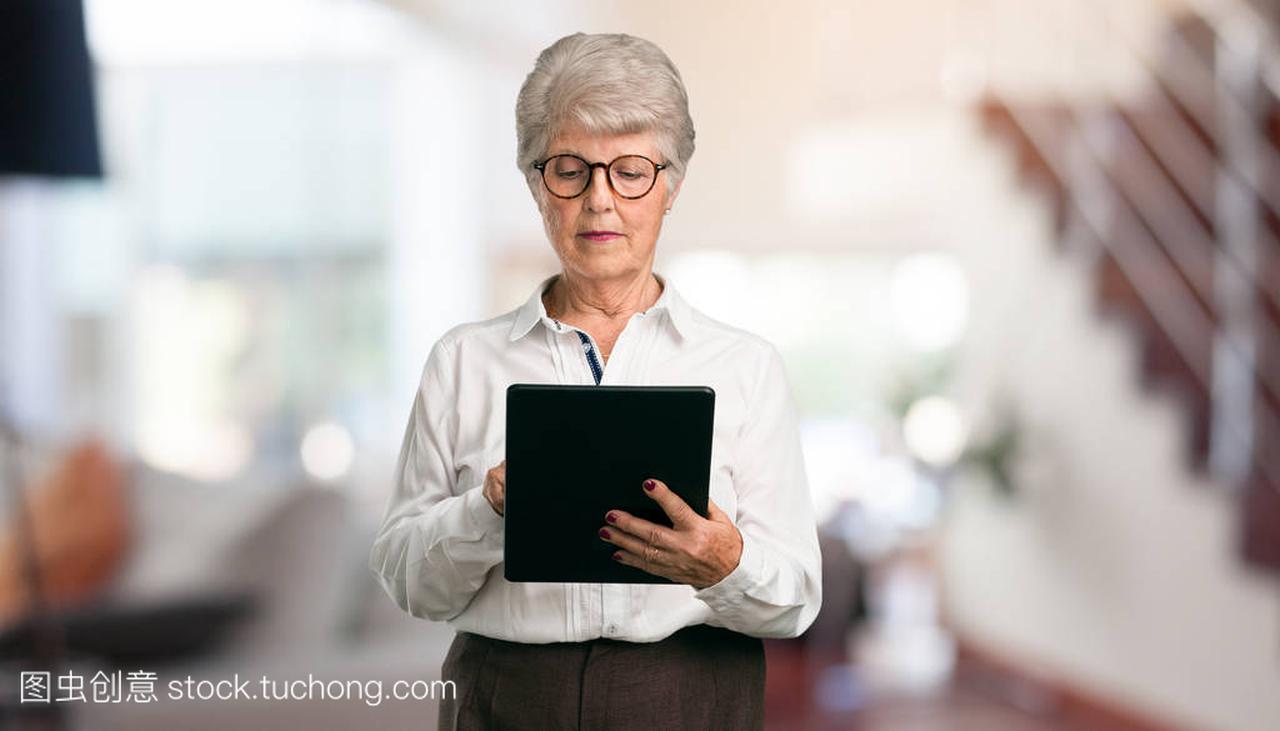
(697, 551)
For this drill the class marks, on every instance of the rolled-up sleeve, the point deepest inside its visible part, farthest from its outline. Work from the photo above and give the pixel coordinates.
(776, 589)
(438, 540)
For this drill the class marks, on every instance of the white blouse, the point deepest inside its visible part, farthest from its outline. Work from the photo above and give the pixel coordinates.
(438, 552)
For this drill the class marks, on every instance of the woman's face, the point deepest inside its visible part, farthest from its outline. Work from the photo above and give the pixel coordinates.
(601, 236)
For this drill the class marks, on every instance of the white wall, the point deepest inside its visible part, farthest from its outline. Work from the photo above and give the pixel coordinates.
(1116, 568)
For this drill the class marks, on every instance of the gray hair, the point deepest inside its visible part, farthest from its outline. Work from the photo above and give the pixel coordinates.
(607, 84)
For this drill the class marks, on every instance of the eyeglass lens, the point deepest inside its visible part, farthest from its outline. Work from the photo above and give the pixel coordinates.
(568, 176)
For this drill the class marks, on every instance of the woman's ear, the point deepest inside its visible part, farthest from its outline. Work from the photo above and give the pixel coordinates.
(671, 196)
(535, 190)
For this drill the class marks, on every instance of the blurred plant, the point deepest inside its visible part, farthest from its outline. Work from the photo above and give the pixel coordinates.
(927, 374)
(995, 456)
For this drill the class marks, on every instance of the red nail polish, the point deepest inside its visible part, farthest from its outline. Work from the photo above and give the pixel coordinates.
(649, 485)
(617, 555)
(604, 533)
(610, 518)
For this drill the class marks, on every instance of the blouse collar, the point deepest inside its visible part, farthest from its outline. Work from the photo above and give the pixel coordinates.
(533, 311)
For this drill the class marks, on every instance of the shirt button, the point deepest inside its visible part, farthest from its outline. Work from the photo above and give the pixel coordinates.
(612, 629)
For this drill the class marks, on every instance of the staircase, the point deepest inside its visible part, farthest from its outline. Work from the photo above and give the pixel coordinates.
(1174, 195)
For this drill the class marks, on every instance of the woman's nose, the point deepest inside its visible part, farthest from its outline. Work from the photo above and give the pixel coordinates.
(599, 194)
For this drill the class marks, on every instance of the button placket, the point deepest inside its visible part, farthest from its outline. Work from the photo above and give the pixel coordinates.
(561, 330)
(620, 364)
(613, 609)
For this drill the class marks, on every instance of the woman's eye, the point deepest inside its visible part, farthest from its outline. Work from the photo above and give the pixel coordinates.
(568, 174)
(628, 175)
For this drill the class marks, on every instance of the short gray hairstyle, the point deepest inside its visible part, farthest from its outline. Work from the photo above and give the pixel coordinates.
(608, 84)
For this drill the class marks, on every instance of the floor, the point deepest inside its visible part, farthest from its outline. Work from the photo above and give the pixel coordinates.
(804, 695)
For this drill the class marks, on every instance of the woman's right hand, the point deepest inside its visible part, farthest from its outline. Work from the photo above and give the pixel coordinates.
(495, 487)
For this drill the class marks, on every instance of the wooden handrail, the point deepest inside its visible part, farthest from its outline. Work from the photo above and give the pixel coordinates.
(1185, 154)
(1182, 236)
(1186, 157)
(1222, 100)
(1186, 90)
(1186, 324)
(1140, 257)
(1179, 231)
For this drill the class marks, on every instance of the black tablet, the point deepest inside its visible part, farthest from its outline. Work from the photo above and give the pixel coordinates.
(575, 452)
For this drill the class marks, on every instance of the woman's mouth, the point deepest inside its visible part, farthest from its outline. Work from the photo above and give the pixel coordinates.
(599, 236)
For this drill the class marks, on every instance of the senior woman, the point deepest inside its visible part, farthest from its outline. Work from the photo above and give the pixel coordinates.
(604, 138)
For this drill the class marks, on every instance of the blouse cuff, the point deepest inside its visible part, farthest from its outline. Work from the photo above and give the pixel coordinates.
(729, 591)
(484, 519)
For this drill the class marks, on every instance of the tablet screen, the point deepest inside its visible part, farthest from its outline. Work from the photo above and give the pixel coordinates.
(575, 452)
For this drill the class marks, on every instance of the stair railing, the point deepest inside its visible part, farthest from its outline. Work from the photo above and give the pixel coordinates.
(1195, 189)
(1225, 101)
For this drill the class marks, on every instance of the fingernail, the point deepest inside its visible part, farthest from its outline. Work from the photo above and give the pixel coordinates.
(649, 485)
(610, 518)
(617, 555)
(604, 533)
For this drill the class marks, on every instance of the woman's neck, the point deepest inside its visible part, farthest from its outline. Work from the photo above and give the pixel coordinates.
(587, 303)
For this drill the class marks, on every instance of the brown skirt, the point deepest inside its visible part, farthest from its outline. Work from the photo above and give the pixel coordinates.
(701, 677)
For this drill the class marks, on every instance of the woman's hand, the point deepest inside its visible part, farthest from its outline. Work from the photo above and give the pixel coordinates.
(495, 487)
(694, 551)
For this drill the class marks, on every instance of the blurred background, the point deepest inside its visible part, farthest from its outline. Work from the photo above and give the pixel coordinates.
(1020, 257)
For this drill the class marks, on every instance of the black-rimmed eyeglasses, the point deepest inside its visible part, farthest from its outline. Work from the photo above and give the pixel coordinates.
(569, 176)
